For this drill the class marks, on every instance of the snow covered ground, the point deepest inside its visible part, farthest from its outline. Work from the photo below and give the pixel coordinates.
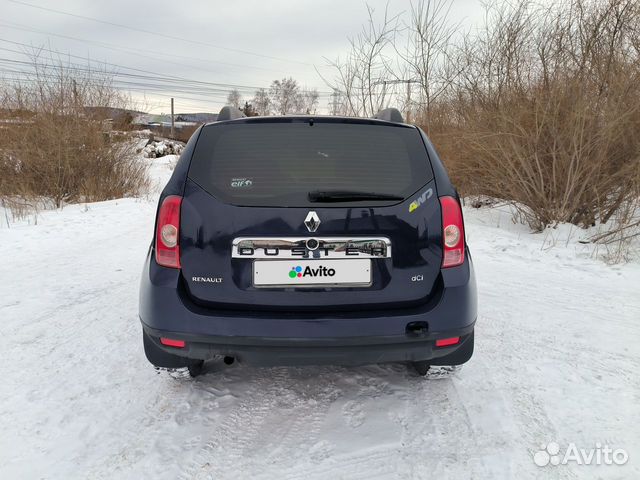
(556, 360)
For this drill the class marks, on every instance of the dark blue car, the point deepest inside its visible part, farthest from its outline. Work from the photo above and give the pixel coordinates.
(308, 240)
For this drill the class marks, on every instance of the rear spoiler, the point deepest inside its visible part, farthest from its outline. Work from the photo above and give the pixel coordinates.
(389, 115)
(230, 113)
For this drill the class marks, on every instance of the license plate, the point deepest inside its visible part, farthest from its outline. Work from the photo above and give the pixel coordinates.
(301, 273)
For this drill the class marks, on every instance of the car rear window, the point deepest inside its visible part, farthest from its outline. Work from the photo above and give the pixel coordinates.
(278, 164)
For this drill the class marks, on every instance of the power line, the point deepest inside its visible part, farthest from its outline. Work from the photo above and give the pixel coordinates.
(137, 83)
(136, 53)
(19, 75)
(114, 47)
(171, 90)
(86, 59)
(125, 50)
(183, 82)
(163, 35)
(33, 76)
(170, 80)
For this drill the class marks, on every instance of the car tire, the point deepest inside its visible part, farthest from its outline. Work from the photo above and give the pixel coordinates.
(460, 356)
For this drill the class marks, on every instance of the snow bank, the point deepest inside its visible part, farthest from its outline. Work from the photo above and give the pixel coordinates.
(161, 148)
(575, 240)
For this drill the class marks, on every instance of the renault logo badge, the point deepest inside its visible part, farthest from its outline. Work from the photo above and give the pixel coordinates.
(312, 221)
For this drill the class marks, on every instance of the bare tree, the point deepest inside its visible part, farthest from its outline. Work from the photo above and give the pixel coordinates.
(360, 76)
(307, 101)
(426, 54)
(284, 96)
(261, 102)
(234, 98)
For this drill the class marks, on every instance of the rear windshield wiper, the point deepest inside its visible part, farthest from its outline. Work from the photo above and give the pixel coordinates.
(349, 196)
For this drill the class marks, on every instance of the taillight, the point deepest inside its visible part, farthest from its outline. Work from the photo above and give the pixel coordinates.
(168, 232)
(452, 232)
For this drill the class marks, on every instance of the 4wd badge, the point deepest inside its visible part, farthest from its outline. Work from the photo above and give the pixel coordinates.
(312, 221)
(426, 195)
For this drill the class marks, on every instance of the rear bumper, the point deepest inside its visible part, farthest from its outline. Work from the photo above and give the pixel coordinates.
(270, 338)
(309, 351)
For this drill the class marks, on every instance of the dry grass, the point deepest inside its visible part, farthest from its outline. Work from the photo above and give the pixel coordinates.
(59, 152)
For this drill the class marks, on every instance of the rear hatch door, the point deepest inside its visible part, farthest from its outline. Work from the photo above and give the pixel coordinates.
(298, 214)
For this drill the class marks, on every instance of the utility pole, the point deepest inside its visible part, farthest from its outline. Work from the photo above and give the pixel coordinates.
(335, 103)
(75, 94)
(408, 101)
(172, 121)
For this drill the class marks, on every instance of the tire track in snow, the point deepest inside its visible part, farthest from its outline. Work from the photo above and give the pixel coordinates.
(368, 463)
(364, 386)
(430, 404)
(151, 419)
(282, 443)
(275, 439)
(297, 435)
(224, 452)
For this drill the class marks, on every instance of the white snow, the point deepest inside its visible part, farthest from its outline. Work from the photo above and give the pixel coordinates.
(158, 148)
(557, 345)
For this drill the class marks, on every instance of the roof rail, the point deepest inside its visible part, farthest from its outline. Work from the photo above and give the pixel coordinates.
(390, 115)
(230, 113)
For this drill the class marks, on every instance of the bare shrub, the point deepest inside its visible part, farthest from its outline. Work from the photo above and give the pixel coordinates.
(57, 148)
(546, 111)
(68, 159)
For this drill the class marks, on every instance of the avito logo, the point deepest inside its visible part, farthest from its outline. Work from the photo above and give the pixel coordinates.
(321, 271)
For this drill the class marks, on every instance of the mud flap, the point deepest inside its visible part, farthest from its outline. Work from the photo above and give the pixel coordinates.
(160, 358)
(460, 356)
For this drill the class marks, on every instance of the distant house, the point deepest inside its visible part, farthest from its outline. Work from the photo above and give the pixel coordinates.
(197, 117)
(179, 125)
(184, 125)
(182, 120)
(145, 120)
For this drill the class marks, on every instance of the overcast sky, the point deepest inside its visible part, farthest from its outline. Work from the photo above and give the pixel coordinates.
(241, 42)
